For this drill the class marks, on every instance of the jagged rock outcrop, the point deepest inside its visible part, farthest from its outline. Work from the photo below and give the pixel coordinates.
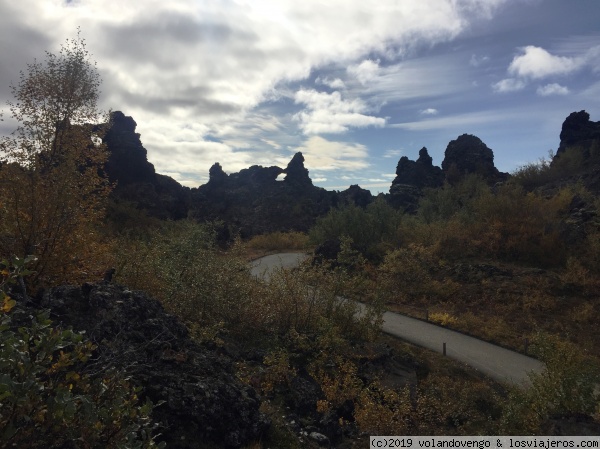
(203, 399)
(579, 131)
(355, 195)
(216, 175)
(420, 173)
(254, 201)
(296, 173)
(411, 178)
(136, 180)
(128, 159)
(469, 155)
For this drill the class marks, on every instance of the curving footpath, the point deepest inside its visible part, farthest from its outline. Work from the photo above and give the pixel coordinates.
(496, 362)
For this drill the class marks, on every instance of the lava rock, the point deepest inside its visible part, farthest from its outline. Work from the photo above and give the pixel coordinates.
(469, 155)
(203, 400)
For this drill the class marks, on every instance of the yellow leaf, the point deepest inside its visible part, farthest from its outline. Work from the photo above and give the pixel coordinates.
(8, 304)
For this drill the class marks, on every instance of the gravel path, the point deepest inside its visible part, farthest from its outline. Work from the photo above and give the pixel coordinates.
(498, 363)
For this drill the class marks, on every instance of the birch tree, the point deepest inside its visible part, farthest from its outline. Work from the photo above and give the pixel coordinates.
(52, 187)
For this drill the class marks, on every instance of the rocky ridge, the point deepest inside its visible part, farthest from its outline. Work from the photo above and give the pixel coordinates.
(257, 200)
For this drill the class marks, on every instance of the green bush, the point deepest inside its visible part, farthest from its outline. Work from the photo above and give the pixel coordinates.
(373, 230)
(452, 200)
(180, 264)
(568, 385)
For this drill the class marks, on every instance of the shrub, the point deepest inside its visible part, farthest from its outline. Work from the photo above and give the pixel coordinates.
(406, 275)
(49, 399)
(278, 241)
(180, 264)
(567, 385)
(372, 230)
(452, 200)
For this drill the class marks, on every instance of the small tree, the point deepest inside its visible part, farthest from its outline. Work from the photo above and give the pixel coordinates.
(51, 181)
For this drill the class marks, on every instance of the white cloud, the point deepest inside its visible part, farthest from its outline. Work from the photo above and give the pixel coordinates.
(429, 111)
(509, 85)
(322, 154)
(336, 83)
(461, 122)
(365, 71)
(329, 113)
(392, 153)
(424, 77)
(552, 89)
(536, 63)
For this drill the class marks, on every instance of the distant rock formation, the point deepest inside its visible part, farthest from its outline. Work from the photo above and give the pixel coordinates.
(469, 155)
(411, 178)
(420, 173)
(216, 175)
(254, 201)
(577, 160)
(355, 195)
(465, 155)
(296, 173)
(579, 131)
(128, 159)
(136, 180)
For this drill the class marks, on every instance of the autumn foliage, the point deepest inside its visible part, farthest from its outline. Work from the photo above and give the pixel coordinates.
(51, 183)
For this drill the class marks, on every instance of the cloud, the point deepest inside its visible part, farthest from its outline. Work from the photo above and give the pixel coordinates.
(329, 113)
(552, 89)
(509, 85)
(429, 111)
(476, 61)
(392, 153)
(324, 155)
(365, 71)
(215, 63)
(423, 77)
(336, 83)
(536, 63)
(461, 121)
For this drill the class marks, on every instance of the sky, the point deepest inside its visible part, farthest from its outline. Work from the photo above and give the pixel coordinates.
(354, 85)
